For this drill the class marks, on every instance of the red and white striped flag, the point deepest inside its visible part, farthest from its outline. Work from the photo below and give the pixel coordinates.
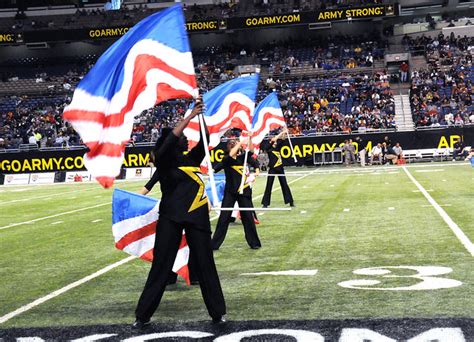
(151, 63)
(268, 116)
(134, 219)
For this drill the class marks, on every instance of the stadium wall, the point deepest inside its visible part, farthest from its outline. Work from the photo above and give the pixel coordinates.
(62, 161)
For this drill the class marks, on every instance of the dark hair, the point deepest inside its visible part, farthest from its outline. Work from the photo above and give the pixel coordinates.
(164, 134)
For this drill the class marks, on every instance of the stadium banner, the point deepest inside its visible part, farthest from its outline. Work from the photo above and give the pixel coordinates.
(78, 177)
(17, 179)
(42, 178)
(213, 24)
(7, 37)
(304, 147)
(139, 173)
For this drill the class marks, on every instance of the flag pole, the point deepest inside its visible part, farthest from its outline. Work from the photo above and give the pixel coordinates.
(291, 144)
(242, 180)
(207, 157)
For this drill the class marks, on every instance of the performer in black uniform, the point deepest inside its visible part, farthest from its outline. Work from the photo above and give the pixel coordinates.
(172, 277)
(233, 164)
(183, 204)
(275, 167)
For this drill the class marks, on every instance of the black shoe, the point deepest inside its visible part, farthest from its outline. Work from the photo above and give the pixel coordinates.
(292, 204)
(264, 206)
(218, 320)
(139, 324)
(194, 282)
(255, 247)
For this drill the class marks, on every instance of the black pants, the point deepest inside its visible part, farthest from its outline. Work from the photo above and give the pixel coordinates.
(247, 220)
(288, 198)
(168, 237)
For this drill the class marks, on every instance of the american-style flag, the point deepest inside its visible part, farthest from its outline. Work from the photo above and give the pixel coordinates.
(267, 117)
(229, 105)
(151, 63)
(134, 219)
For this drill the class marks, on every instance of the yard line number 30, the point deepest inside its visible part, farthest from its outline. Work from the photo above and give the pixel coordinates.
(427, 276)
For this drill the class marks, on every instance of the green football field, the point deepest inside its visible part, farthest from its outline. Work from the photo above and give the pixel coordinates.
(372, 243)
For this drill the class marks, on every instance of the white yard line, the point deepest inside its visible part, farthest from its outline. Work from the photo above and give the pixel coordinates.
(11, 225)
(57, 222)
(454, 227)
(56, 293)
(40, 197)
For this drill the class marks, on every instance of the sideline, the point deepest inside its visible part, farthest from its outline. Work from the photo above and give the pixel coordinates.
(454, 227)
(11, 225)
(56, 293)
(66, 288)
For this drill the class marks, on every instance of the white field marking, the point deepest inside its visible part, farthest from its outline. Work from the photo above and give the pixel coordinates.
(303, 212)
(57, 222)
(261, 214)
(386, 183)
(11, 225)
(73, 197)
(251, 209)
(393, 172)
(98, 220)
(19, 190)
(66, 288)
(391, 208)
(285, 273)
(358, 183)
(424, 171)
(454, 227)
(346, 209)
(429, 190)
(332, 186)
(56, 293)
(45, 197)
(441, 205)
(98, 196)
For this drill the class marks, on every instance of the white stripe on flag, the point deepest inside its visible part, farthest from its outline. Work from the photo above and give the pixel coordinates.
(140, 247)
(122, 228)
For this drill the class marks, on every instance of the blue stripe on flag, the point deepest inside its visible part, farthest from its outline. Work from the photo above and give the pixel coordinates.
(214, 98)
(127, 205)
(270, 100)
(166, 27)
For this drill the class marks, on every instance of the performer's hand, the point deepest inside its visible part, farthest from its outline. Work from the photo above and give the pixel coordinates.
(198, 108)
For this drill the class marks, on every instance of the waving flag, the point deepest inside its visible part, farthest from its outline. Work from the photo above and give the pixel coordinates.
(134, 219)
(268, 116)
(229, 105)
(151, 63)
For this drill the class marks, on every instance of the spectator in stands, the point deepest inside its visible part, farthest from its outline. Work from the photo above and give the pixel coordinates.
(376, 154)
(457, 149)
(404, 72)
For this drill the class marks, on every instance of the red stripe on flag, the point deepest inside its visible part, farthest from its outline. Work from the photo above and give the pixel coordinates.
(136, 235)
(147, 256)
(184, 272)
(267, 116)
(105, 149)
(143, 64)
(106, 182)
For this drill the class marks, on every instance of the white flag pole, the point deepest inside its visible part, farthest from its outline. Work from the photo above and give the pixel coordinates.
(291, 144)
(242, 180)
(207, 157)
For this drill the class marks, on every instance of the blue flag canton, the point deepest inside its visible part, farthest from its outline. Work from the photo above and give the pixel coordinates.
(166, 27)
(126, 205)
(246, 85)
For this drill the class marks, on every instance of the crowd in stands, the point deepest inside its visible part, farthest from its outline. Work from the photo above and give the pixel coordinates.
(442, 94)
